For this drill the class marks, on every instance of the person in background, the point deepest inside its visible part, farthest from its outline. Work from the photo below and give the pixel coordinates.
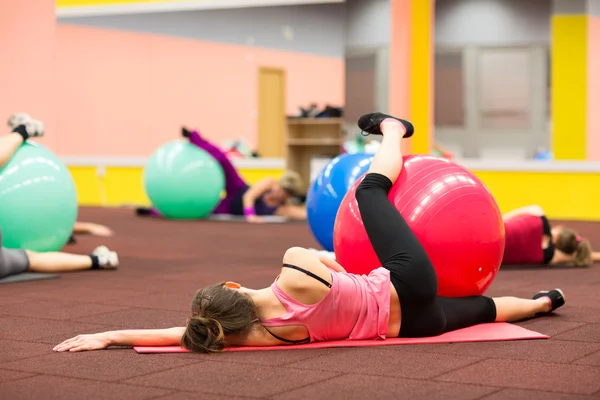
(16, 261)
(531, 240)
(270, 196)
(7, 151)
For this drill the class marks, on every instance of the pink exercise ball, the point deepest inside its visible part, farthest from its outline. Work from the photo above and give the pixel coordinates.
(452, 213)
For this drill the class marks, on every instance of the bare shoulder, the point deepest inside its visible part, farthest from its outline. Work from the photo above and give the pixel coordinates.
(298, 284)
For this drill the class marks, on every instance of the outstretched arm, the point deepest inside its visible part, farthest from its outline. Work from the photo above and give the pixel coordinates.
(293, 212)
(253, 193)
(527, 210)
(91, 228)
(138, 337)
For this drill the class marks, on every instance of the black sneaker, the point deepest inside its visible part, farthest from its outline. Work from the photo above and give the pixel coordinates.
(185, 133)
(370, 123)
(143, 211)
(556, 296)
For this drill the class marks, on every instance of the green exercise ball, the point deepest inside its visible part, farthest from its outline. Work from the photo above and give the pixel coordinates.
(38, 200)
(183, 181)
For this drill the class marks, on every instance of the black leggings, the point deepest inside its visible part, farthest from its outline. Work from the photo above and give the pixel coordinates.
(412, 274)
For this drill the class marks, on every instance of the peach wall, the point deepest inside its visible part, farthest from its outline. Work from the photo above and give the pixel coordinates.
(125, 93)
(593, 92)
(27, 62)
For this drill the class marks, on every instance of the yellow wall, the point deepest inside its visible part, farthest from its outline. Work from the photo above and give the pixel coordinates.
(569, 86)
(421, 77)
(124, 185)
(566, 195)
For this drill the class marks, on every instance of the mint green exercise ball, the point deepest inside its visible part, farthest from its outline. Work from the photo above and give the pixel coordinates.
(38, 200)
(183, 181)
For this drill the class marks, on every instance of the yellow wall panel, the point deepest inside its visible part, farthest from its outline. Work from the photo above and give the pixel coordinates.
(421, 78)
(563, 195)
(569, 86)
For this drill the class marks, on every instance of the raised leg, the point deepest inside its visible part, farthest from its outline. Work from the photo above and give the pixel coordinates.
(233, 180)
(396, 246)
(8, 145)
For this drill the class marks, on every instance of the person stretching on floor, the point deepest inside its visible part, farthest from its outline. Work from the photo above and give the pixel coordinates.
(315, 299)
(7, 151)
(530, 240)
(16, 261)
(267, 197)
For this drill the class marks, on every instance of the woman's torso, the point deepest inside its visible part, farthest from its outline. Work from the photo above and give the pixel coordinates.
(262, 205)
(355, 307)
(526, 241)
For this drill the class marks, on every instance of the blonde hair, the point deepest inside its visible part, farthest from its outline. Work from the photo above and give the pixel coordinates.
(569, 242)
(291, 182)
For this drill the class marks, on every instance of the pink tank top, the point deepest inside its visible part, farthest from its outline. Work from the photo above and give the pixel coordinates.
(356, 307)
(523, 244)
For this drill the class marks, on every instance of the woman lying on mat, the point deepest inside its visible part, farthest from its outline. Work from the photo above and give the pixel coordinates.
(530, 240)
(315, 299)
(267, 197)
(16, 261)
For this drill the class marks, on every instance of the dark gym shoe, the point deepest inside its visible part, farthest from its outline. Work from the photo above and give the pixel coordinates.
(371, 123)
(556, 296)
(185, 133)
(143, 211)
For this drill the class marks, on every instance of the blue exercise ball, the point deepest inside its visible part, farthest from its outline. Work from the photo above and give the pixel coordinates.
(328, 190)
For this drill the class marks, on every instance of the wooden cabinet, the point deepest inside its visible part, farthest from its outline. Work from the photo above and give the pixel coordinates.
(308, 138)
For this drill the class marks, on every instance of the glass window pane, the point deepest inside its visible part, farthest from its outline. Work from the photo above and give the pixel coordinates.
(360, 86)
(449, 89)
(504, 89)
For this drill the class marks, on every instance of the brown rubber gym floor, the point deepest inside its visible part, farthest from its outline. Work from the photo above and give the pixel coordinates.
(164, 262)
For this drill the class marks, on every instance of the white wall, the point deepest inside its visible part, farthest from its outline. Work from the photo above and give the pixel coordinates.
(492, 22)
(367, 23)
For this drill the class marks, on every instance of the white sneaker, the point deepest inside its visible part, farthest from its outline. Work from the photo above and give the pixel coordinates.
(33, 127)
(18, 119)
(106, 258)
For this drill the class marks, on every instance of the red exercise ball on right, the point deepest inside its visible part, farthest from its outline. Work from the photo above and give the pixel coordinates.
(452, 213)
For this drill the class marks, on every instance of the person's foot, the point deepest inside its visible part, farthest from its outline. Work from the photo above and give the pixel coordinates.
(25, 125)
(556, 297)
(107, 259)
(371, 123)
(72, 239)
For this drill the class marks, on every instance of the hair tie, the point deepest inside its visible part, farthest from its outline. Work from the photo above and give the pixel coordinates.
(578, 239)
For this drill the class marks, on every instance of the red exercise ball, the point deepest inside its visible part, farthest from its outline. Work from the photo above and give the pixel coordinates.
(452, 213)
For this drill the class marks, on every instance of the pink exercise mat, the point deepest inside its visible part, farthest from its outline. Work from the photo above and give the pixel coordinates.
(494, 332)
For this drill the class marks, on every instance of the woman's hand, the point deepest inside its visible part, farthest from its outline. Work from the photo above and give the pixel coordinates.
(100, 230)
(254, 219)
(91, 228)
(96, 341)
